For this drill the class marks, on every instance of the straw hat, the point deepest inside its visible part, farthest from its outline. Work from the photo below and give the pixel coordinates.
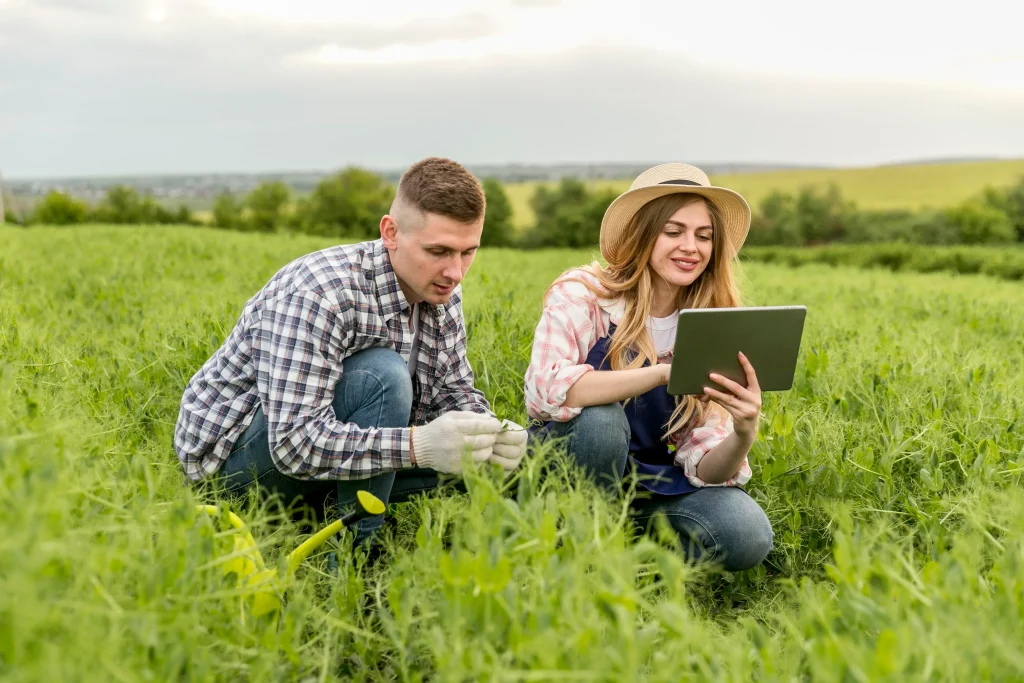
(669, 179)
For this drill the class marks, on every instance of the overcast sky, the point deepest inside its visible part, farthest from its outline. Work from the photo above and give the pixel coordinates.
(139, 86)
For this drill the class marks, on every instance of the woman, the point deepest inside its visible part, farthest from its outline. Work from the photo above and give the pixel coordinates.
(601, 360)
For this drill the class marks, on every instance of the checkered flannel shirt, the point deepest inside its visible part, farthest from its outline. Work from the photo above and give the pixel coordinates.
(572, 322)
(285, 354)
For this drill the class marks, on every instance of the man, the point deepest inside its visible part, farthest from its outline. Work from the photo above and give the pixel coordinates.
(348, 370)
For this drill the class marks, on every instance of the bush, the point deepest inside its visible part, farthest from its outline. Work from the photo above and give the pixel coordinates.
(266, 205)
(1006, 264)
(183, 216)
(776, 222)
(498, 231)
(823, 217)
(881, 226)
(347, 204)
(979, 223)
(227, 212)
(123, 205)
(1014, 208)
(811, 217)
(10, 217)
(1011, 202)
(57, 208)
(567, 216)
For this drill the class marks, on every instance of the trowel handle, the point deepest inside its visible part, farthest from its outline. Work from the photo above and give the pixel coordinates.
(367, 505)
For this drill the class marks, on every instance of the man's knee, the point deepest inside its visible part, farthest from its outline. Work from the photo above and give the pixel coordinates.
(387, 366)
(375, 382)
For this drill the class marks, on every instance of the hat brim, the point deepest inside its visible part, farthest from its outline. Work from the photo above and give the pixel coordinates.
(732, 207)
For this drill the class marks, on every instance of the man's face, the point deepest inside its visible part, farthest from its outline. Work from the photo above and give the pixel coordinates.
(430, 253)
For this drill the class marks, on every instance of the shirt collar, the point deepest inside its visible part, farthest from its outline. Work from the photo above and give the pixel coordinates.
(389, 293)
(615, 308)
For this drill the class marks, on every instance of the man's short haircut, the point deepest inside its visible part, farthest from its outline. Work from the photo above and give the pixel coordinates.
(441, 186)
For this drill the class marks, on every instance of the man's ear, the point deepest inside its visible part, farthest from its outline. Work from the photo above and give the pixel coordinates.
(389, 232)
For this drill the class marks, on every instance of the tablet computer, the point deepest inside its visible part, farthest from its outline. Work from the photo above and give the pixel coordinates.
(710, 339)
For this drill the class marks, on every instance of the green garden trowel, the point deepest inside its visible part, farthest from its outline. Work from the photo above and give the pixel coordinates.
(263, 586)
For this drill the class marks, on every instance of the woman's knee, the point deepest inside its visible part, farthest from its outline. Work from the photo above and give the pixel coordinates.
(722, 525)
(742, 531)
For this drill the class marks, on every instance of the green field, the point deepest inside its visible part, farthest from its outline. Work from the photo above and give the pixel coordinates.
(891, 474)
(884, 187)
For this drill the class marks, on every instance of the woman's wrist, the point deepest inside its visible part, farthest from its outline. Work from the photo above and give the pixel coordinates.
(661, 373)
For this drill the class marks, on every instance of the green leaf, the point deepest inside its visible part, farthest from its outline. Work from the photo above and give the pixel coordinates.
(782, 423)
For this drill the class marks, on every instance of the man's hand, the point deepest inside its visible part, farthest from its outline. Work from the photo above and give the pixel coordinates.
(439, 444)
(509, 446)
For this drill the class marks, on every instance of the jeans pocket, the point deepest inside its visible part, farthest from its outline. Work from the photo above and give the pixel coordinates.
(245, 465)
(250, 440)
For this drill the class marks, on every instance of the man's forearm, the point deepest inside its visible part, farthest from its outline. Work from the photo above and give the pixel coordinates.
(344, 450)
(469, 400)
(723, 461)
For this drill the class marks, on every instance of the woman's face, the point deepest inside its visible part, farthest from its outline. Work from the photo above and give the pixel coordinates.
(682, 250)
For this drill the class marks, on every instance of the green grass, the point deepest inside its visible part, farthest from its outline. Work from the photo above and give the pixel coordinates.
(891, 473)
(884, 187)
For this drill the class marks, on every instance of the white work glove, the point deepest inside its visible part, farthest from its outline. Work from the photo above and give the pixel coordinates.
(439, 445)
(509, 446)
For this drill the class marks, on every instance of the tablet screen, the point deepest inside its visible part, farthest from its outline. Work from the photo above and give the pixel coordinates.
(710, 339)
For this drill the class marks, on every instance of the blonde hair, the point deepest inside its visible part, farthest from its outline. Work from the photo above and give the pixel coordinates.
(628, 276)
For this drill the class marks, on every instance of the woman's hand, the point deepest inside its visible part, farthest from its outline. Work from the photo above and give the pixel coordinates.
(743, 403)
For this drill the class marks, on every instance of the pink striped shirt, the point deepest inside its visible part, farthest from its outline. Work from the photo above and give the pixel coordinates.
(573, 321)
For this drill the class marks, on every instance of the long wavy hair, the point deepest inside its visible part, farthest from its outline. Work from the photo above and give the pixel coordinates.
(628, 276)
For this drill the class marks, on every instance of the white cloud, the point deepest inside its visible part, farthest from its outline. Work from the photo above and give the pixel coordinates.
(346, 13)
(883, 40)
(112, 85)
(157, 14)
(907, 41)
(516, 37)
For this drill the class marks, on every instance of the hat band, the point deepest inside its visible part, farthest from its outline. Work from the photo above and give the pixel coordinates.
(679, 182)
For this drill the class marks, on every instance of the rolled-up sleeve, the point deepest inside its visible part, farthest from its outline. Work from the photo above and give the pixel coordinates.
(566, 332)
(692, 445)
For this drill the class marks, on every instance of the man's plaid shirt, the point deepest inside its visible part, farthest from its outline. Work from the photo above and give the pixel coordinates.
(285, 354)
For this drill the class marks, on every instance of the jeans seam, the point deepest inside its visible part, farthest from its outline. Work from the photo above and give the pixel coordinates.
(254, 480)
(245, 444)
(700, 522)
(383, 392)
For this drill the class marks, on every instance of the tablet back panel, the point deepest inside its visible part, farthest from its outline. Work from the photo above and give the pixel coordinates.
(709, 339)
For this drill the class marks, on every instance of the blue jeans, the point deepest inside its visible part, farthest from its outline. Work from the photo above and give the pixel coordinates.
(375, 391)
(717, 524)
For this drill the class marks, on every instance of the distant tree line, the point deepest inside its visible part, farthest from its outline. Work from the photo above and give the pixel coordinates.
(122, 205)
(813, 216)
(569, 215)
(348, 206)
